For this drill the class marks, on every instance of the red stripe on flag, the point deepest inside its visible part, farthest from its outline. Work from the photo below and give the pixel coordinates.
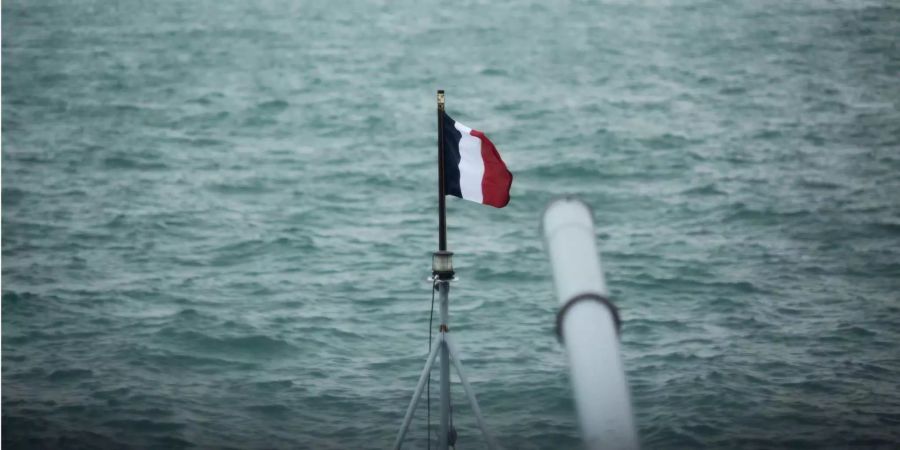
(497, 178)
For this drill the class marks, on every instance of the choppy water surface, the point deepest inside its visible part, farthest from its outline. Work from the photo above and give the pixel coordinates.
(218, 218)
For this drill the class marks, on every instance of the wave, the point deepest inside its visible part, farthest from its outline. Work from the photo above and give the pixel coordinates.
(709, 189)
(144, 425)
(69, 374)
(272, 106)
(128, 162)
(255, 346)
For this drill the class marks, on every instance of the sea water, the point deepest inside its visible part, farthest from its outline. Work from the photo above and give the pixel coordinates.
(218, 218)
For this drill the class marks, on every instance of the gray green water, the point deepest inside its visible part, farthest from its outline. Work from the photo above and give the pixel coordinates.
(218, 216)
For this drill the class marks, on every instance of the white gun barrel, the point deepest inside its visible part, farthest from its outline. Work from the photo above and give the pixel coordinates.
(588, 325)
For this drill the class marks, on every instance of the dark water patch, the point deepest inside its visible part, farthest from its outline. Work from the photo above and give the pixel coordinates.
(254, 345)
(191, 314)
(165, 361)
(236, 253)
(258, 121)
(26, 304)
(828, 185)
(741, 212)
(638, 327)
(203, 121)
(69, 374)
(82, 409)
(747, 324)
(198, 142)
(172, 442)
(501, 272)
(271, 411)
(493, 72)
(667, 142)
(245, 187)
(709, 189)
(272, 106)
(13, 196)
(116, 393)
(331, 333)
(25, 373)
(34, 337)
(144, 426)
(671, 436)
(686, 284)
(854, 331)
(273, 386)
(128, 162)
(207, 99)
(733, 90)
(12, 299)
(11, 358)
(727, 305)
(889, 419)
(33, 432)
(892, 228)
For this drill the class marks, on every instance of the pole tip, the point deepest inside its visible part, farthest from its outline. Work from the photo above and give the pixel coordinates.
(440, 99)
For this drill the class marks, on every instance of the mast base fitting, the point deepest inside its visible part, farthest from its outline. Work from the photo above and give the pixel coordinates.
(442, 265)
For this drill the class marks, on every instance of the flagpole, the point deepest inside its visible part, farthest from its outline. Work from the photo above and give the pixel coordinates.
(441, 275)
(442, 210)
(444, 275)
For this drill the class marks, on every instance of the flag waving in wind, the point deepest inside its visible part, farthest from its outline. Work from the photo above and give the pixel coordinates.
(473, 169)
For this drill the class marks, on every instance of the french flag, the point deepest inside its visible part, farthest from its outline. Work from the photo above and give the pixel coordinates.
(473, 169)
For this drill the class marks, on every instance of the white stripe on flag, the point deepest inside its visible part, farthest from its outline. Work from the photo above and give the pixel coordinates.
(471, 166)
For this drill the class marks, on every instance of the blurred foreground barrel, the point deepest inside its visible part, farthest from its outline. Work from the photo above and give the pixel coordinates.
(588, 324)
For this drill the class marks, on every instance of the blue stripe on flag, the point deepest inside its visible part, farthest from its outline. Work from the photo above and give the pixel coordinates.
(451, 157)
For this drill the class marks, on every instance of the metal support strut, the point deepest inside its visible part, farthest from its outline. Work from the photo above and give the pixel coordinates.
(449, 354)
(444, 437)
